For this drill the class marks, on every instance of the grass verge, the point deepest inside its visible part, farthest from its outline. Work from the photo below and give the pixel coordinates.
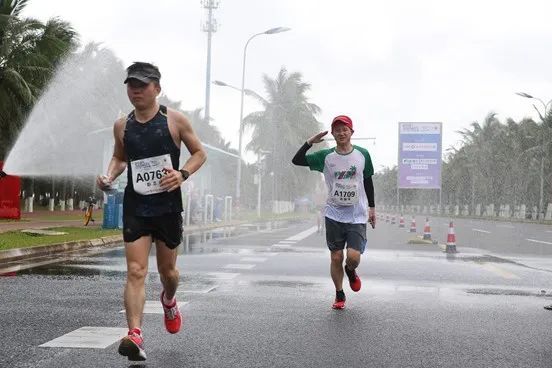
(17, 239)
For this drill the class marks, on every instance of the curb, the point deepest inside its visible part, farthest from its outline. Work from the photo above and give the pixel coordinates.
(17, 254)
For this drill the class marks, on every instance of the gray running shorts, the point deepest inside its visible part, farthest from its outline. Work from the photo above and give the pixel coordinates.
(339, 233)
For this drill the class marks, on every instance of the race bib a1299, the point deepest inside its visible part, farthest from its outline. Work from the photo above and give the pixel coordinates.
(147, 174)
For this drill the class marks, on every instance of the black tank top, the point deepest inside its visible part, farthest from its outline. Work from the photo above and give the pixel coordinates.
(144, 140)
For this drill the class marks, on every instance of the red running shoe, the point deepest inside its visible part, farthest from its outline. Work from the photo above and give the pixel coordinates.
(173, 318)
(132, 346)
(354, 280)
(338, 304)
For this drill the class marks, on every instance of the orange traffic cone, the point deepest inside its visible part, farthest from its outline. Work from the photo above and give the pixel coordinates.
(413, 225)
(427, 230)
(451, 239)
(401, 221)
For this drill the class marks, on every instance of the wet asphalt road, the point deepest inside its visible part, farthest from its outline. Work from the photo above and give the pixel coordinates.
(262, 299)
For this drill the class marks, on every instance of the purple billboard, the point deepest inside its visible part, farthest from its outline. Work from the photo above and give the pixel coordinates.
(420, 155)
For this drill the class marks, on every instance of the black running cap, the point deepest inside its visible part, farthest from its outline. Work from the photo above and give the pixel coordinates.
(144, 72)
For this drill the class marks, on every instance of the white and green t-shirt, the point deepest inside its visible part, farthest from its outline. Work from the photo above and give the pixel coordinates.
(344, 175)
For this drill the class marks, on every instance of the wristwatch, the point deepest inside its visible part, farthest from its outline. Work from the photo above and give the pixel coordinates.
(185, 174)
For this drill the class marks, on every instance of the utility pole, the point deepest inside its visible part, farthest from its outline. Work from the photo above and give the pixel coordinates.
(210, 26)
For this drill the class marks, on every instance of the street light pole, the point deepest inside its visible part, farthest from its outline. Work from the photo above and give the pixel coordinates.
(210, 26)
(259, 180)
(546, 107)
(240, 138)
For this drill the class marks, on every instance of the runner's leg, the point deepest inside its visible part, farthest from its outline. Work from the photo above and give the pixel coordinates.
(137, 254)
(166, 264)
(353, 258)
(336, 269)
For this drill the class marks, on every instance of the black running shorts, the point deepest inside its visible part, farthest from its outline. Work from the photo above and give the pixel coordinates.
(338, 234)
(167, 228)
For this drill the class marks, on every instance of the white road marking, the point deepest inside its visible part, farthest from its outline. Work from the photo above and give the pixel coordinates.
(253, 259)
(223, 275)
(281, 245)
(538, 241)
(482, 231)
(288, 241)
(195, 291)
(506, 226)
(155, 307)
(88, 337)
(239, 266)
(500, 271)
(303, 234)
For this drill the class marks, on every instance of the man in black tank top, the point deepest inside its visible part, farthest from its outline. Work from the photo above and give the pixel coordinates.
(147, 144)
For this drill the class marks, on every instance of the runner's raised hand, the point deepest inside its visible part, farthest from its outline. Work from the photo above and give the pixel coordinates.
(317, 138)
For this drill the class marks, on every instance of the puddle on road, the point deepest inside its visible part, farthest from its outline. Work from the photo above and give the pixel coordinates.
(110, 262)
(509, 292)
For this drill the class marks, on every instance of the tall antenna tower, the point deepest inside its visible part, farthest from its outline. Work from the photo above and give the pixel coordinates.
(210, 26)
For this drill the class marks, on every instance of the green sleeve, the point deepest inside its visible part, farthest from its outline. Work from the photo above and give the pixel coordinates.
(316, 160)
(368, 167)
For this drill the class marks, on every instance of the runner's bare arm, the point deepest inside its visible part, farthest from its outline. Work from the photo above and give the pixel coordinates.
(118, 162)
(192, 143)
(173, 178)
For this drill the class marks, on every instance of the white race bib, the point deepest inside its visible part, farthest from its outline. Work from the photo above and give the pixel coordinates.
(147, 174)
(344, 193)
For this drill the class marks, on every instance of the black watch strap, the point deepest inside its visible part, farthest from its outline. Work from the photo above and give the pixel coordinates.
(185, 174)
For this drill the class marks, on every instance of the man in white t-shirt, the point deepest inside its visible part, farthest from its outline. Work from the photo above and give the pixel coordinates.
(350, 203)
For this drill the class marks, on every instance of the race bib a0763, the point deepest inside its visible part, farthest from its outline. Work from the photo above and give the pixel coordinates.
(147, 174)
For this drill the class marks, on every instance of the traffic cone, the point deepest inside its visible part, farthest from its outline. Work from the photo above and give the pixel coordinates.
(413, 225)
(451, 239)
(427, 230)
(401, 221)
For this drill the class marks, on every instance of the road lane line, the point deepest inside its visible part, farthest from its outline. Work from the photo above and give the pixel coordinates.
(253, 259)
(538, 241)
(303, 234)
(192, 291)
(154, 307)
(223, 275)
(239, 266)
(482, 231)
(500, 272)
(288, 241)
(88, 337)
(282, 245)
(506, 226)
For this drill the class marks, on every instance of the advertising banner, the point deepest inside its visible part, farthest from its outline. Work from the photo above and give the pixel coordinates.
(420, 146)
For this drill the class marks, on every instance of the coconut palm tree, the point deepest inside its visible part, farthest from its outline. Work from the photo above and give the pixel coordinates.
(286, 121)
(29, 53)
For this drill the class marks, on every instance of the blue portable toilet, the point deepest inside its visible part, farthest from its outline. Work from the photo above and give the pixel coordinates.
(110, 218)
(120, 196)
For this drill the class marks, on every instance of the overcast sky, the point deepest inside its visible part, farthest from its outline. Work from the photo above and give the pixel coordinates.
(380, 62)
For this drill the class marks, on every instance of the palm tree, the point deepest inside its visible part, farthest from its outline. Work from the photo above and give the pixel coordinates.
(29, 53)
(286, 121)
